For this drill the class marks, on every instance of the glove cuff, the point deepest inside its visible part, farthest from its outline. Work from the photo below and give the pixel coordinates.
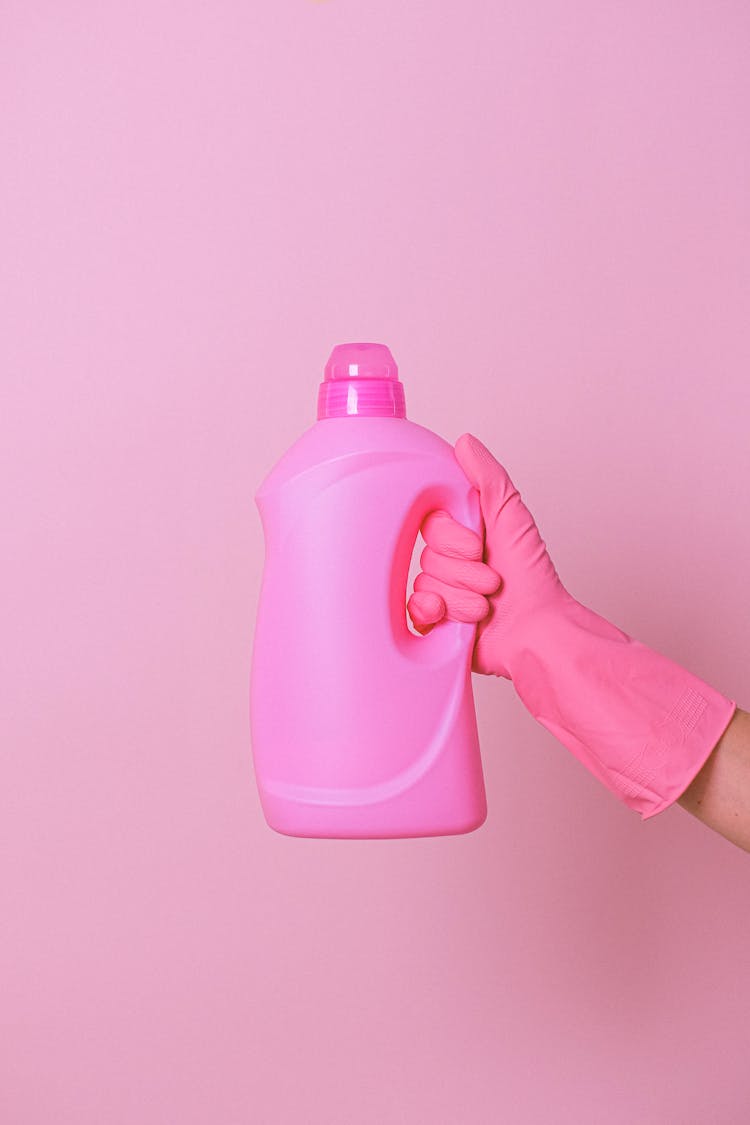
(638, 721)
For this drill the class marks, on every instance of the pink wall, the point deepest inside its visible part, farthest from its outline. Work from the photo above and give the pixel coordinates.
(197, 201)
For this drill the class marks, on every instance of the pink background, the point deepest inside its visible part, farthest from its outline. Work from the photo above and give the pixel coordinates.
(544, 209)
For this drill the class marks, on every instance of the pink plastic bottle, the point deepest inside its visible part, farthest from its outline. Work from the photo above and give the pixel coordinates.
(360, 728)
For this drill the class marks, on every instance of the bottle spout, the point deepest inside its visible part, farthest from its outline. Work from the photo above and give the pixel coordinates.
(361, 379)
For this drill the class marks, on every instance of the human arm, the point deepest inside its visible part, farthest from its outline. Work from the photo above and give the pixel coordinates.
(720, 794)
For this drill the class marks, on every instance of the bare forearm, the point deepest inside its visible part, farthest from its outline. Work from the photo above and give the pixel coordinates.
(720, 794)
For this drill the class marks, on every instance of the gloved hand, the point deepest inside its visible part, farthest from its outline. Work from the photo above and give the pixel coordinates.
(637, 720)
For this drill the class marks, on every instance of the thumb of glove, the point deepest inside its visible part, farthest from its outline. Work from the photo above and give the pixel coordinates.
(514, 548)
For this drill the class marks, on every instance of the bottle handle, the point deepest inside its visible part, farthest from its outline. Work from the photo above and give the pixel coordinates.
(448, 639)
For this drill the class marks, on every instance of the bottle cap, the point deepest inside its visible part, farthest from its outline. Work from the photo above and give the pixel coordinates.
(361, 379)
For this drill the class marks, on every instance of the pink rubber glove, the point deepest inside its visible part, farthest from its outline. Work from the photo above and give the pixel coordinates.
(641, 723)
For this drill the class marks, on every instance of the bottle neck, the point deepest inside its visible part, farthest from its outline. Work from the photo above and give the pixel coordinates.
(373, 398)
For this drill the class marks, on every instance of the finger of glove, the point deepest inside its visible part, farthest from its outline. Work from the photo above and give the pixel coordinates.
(467, 574)
(460, 605)
(425, 609)
(445, 535)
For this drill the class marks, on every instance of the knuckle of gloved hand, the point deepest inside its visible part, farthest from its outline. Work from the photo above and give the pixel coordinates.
(428, 604)
(472, 575)
(433, 524)
(466, 573)
(473, 547)
(468, 606)
(426, 557)
(463, 544)
(417, 611)
(491, 580)
(433, 562)
(427, 583)
(448, 537)
(460, 605)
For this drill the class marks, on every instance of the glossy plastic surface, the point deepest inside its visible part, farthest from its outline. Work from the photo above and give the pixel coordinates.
(361, 379)
(360, 728)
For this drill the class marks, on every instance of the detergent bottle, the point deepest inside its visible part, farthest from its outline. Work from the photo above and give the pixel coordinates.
(360, 728)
